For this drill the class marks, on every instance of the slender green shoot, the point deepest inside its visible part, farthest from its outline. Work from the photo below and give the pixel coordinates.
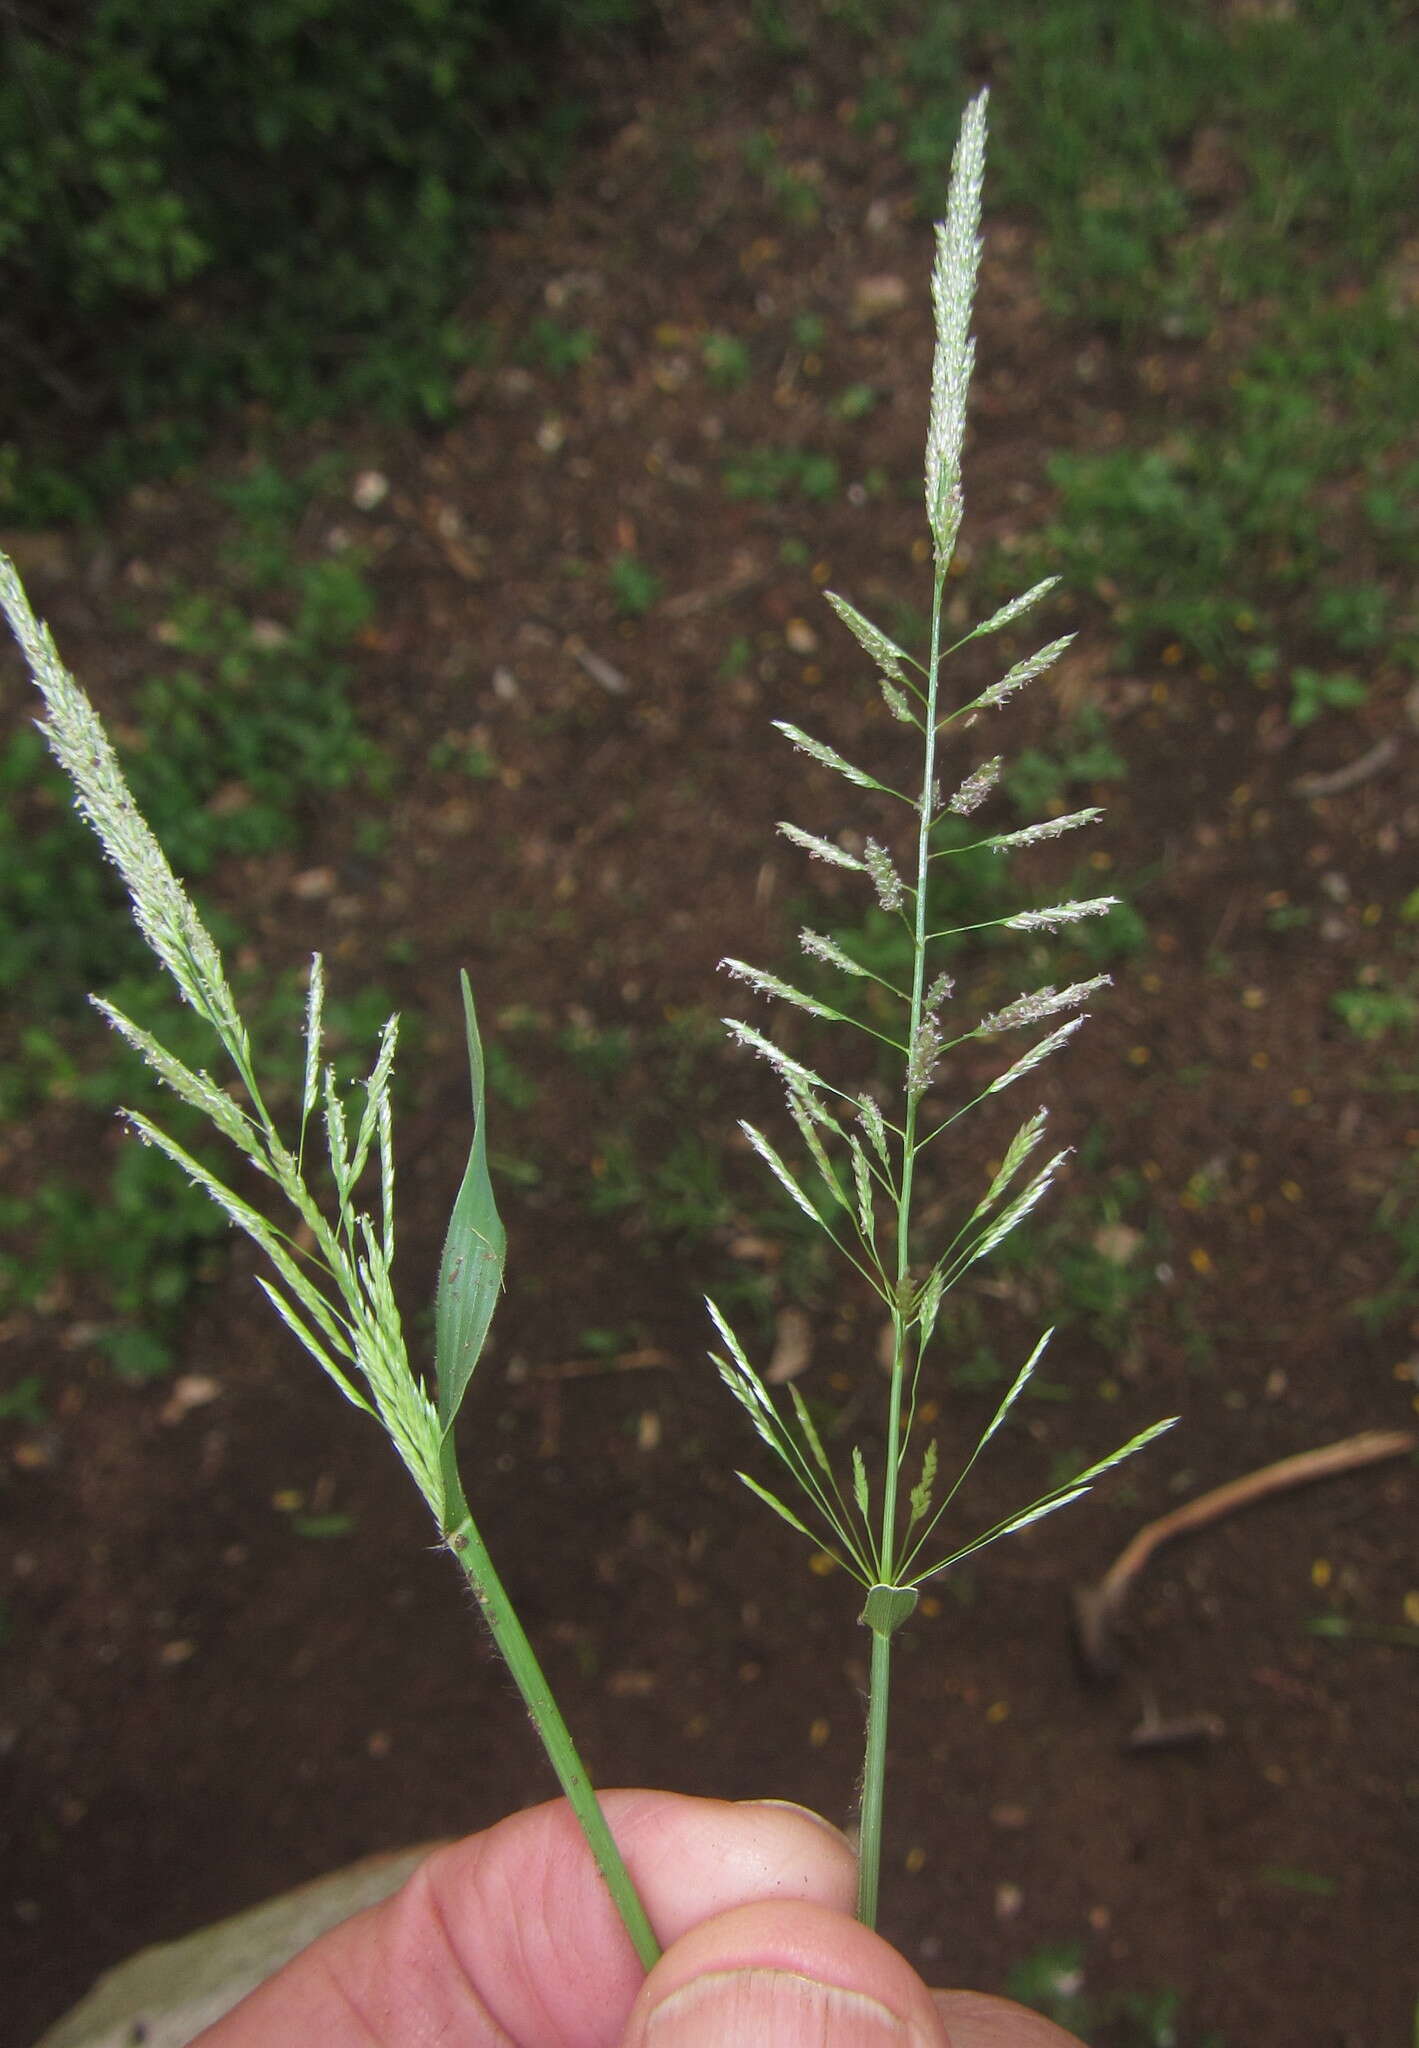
(862, 1150)
(331, 1261)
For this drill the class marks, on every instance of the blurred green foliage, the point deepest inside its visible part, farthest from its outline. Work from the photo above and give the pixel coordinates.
(206, 202)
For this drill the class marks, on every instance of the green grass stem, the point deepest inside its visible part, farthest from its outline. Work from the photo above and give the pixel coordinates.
(467, 1545)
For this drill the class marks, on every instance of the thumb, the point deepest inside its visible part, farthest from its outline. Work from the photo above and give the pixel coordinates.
(788, 1975)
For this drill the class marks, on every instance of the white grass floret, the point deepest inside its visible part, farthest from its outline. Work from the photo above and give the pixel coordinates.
(771, 985)
(976, 788)
(953, 285)
(821, 849)
(1045, 828)
(1008, 613)
(1059, 915)
(829, 758)
(1028, 1061)
(871, 639)
(1023, 672)
(1042, 1003)
(829, 952)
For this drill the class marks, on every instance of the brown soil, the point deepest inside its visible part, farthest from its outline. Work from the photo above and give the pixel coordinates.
(200, 1706)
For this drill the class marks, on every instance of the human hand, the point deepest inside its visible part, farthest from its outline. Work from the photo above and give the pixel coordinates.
(509, 1940)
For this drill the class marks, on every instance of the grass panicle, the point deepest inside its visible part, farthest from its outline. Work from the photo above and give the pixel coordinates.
(893, 1534)
(331, 1278)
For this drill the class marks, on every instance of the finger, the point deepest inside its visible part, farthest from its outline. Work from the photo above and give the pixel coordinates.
(793, 1975)
(510, 1937)
(974, 2020)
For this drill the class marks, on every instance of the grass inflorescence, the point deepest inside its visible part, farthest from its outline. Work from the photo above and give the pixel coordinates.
(863, 1150)
(331, 1178)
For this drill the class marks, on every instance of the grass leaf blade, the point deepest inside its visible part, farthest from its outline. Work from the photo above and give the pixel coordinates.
(471, 1272)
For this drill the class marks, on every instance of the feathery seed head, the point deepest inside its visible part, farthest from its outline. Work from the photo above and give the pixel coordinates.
(1042, 1003)
(1059, 915)
(821, 849)
(925, 1052)
(953, 284)
(1017, 605)
(1047, 828)
(828, 951)
(976, 788)
(1023, 672)
(885, 879)
(162, 909)
(871, 639)
(871, 1119)
(771, 985)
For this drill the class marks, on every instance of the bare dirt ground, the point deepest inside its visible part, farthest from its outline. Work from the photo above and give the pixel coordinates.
(201, 1706)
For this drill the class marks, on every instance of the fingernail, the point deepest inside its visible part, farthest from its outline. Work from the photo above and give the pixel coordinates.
(792, 1806)
(747, 2008)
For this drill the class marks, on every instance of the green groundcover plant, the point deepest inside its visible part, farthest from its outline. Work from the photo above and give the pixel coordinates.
(153, 267)
(862, 1148)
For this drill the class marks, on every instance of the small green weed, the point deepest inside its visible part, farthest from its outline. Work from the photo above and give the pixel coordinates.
(324, 1528)
(1358, 617)
(1310, 1883)
(268, 504)
(1052, 1981)
(558, 348)
(763, 475)
(24, 1402)
(602, 1051)
(774, 26)
(1372, 1013)
(984, 1368)
(138, 1252)
(599, 1341)
(1313, 692)
(1093, 1268)
(793, 189)
(509, 1082)
(1122, 934)
(737, 659)
(238, 761)
(726, 360)
(856, 401)
(1082, 756)
(464, 756)
(635, 589)
(1341, 1628)
(1391, 507)
(676, 1193)
(1397, 1220)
